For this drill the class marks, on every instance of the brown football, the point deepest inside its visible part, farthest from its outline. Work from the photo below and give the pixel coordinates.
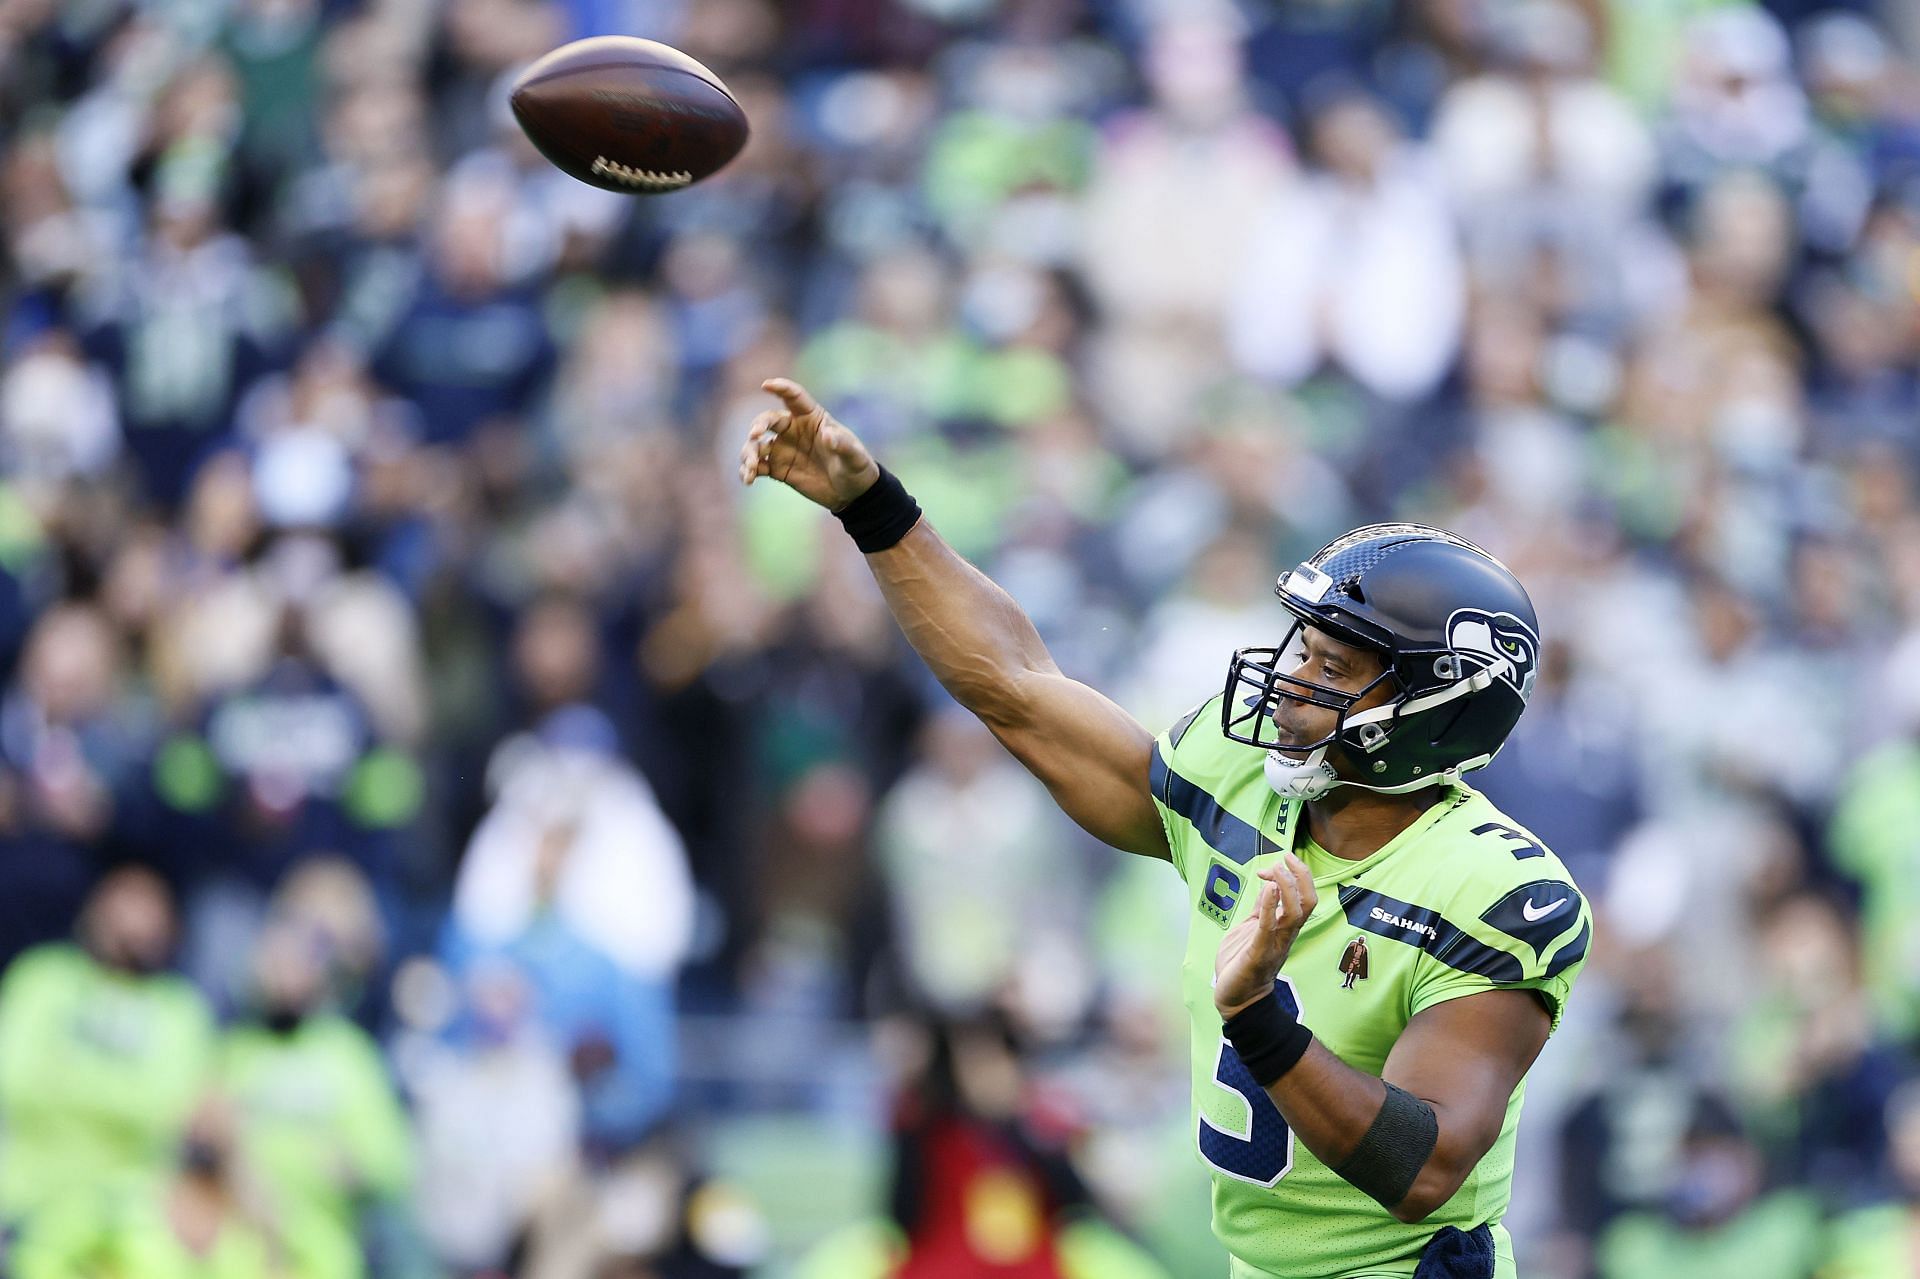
(628, 114)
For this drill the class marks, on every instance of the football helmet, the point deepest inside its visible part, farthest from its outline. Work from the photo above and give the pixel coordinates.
(1459, 641)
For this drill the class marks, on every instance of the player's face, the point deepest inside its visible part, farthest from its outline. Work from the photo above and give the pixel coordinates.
(1316, 657)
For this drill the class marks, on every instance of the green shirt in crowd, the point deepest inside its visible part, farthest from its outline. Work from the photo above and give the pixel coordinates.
(99, 1072)
(1776, 1237)
(129, 1236)
(1875, 838)
(1880, 1242)
(320, 1125)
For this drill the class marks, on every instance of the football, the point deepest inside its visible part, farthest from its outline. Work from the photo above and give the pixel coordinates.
(628, 114)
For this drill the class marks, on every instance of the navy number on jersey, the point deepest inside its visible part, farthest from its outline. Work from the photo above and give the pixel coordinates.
(1262, 1151)
(1523, 845)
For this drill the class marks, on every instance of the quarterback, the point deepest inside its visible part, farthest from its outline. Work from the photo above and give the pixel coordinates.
(1375, 954)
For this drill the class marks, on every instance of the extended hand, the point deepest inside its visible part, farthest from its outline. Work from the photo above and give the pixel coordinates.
(804, 448)
(1253, 949)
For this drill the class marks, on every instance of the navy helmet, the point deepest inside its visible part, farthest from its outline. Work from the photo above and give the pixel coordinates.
(1458, 640)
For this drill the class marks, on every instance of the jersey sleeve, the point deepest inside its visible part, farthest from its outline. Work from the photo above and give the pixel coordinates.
(1528, 930)
(1176, 757)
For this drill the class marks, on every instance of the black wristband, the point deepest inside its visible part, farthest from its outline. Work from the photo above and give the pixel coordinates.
(1268, 1038)
(881, 516)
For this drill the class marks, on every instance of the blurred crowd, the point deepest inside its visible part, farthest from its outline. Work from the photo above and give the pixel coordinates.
(435, 801)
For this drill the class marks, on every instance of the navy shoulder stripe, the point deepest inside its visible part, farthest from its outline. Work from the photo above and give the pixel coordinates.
(1572, 953)
(1428, 930)
(1389, 916)
(1471, 955)
(1538, 913)
(1232, 838)
(1179, 730)
(1158, 774)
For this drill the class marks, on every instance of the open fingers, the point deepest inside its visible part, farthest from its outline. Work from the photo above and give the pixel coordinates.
(751, 449)
(1268, 909)
(798, 401)
(756, 453)
(1280, 890)
(1294, 883)
(749, 460)
(777, 459)
(766, 429)
(1308, 895)
(1294, 874)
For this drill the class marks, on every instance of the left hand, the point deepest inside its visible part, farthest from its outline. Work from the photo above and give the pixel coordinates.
(1253, 949)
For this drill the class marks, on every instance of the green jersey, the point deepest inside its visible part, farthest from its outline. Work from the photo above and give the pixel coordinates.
(99, 1072)
(1460, 902)
(320, 1124)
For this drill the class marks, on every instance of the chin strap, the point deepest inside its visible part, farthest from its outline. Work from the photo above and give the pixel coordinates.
(1301, 779)
(1310, 778)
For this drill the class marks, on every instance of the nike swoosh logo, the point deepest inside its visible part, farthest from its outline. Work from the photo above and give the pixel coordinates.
(1535, 913)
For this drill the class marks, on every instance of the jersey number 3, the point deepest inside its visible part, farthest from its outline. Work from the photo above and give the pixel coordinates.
(1261, 1151)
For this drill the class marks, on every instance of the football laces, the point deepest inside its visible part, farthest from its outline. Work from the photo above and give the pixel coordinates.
(644, 179)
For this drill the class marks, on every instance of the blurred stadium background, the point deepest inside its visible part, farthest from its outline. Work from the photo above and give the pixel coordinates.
(574, 875)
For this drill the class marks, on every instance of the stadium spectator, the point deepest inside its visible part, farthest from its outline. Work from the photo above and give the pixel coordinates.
(58, 414)
(71, 771)
(103, 1053)
(616, 1028)
(1871, 842)
(197, 1223)
(496, 1112)
(1816, 1078)
(981, 1184)
(1878, 1239)
(330, 903)
(576, 831)
(316, 1118)
(1570, 765)
(1547, 163)
(1356, 264)
(977, 866)
(194, 319)
(289, 758)
(1195, 168)
(1619, 1143)
(470, 348)
(651, 1215)
(1735, 103)
(1717, 1218)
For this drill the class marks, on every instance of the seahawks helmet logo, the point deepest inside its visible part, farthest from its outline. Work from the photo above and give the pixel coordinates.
(1493, 637)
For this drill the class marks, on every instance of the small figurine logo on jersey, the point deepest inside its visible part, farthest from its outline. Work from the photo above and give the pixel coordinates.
(1353, 964)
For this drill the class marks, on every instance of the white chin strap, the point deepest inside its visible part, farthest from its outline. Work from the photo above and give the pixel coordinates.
(1310, 778)
(1301, 779)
